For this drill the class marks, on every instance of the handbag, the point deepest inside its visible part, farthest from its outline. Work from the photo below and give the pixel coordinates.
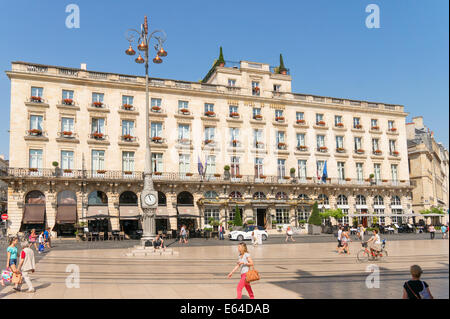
(16, 278)
(252, 275)
(6, 275)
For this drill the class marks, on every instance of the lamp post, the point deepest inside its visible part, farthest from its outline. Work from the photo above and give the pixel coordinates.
(149, 197)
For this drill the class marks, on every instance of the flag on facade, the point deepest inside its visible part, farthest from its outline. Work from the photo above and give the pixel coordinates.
(325, 173)
(206, 166)
(200, 167)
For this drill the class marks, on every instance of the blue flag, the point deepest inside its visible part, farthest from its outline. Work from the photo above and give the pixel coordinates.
(325, 173)
(200, 167)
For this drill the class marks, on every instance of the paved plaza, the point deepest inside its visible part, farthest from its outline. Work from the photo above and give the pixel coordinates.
(288, 271)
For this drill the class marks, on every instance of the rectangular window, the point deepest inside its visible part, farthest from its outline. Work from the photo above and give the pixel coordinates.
(280, 137)
(377, 172)
(210, 133)
(319, 118)
(341, 171)
(282, 216)
(234, 134)
(259, 167)
(157, 162)
(302, 169)
(281, 168)
(35, 158)
(359, 172)
(67, 94)
(127, 127)
(234, 166)
(375, 145)
(184, 163)
(98, 160)
(233, 110)
(358, 143)
(97, 97)
(98, 125)
(374, 123)
(320, 141)
(232, 82)
(299, 116)
(183, 132)
(390, 125)
(209, 107)
(356, 122)
(183, 105)
(35, 91)
(392, 147)
(128, 161)
(301, 139)
(339, 142)
(320, 165)
(210, 165)
(394, 172)
(36, 122)
(156, 129)
(337, 120)
(211, 213)
(126, 99)
(257, 113)
(67, 124)
(155, 102)
(67, 160)
(257, 138)
(278, 113)
(255, 88)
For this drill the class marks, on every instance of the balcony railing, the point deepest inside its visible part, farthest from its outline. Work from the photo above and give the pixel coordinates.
(14, 172)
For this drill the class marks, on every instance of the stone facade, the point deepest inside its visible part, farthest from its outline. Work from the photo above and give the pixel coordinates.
(63, 123)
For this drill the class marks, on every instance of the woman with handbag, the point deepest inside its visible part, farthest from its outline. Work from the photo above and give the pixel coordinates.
(11, 261)
(245, 262)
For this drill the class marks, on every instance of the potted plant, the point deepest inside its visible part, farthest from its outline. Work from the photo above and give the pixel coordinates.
(128, 172)
(234, 114)
(393, 129)
(286, 177)
(184, 111)
(98, 104)
(262, 176)
(279, 228)
(97, 135)
(156, 108)
(55, 164)
(129, 106)
(274, 222)
(259, 144)
(323, 148)
(281, 145)
(36, 99)
(375, 128)
(216, 175)
(371, 176)
(360, 151)
(321, 123)
(377, 152)
(208, 142)
(348, 179)
(67, 133)
(35, 132)
(339, 124)
(68, 101)
(234, 142)
(395, 153)
(189, 174)
(281, 68)
(340, 150)
(255, 90)
(300, 121)
(156, 139)
(302, 147)
(257, 117)
(292, 172)
(237, 217)
(226, 171)
(238, 176)
(157, 173)
(127, 137)
(315, 222)
(67, 171)
(210, 113)
(358, 126)
(250, 222)
(33, 169)
(101, 171)
(279, 119)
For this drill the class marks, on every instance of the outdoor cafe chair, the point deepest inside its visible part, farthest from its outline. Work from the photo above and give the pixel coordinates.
(110, 236)
(101, 235)
(121, 235)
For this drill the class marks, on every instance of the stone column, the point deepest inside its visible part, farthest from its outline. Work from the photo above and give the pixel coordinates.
(171, 199)
(113, 198)
(50, 210)
(292, 215)
(15, 213)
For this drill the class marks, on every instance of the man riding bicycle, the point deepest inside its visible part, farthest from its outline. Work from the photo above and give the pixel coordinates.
(374, 243)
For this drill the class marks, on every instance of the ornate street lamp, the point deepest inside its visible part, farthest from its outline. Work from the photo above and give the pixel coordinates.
(149, 197)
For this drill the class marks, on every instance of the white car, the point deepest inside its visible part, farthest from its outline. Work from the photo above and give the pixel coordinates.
(246, 234)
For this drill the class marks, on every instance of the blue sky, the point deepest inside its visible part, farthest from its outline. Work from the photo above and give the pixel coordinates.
(325, 44)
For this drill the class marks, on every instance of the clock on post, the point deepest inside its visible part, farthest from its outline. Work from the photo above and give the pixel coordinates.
(149, 199)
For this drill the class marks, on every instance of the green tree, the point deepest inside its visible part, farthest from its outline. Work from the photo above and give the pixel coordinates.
(237, 217)
(315, 219)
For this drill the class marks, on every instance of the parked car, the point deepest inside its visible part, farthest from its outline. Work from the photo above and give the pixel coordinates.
(246, 233)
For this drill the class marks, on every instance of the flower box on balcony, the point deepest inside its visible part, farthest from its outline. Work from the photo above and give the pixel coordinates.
(286, 177)
(375, 128)
(358, 126)
(234, 114)
(127, 137)
(189, 174)
(68, 101)
(262, 176)
(339, 124)
(35, 132)
(279, 119)
(184, 111)
(67, 171)
(395, 153)
(281, 145)
(216, 175)
(323, 148)
(360, 151)
(402, 181)
(340, 150)
(384, 180)
(321, 123)
(393, 129)
(309, 178)
(377, 152)
(257, 117)
(255, 90)
(32, 169)
(348, 179)
(157, 173)
(36, 99)
(128, 106)
(238, 176)
(208, 142)
(101, 171)
(258, 144)
(98, 104)
(302, 148)
(301, 121)
(157, 139)
(210, 113)
(97, 135)
(67, 133)
(234, 142)
(128, 172)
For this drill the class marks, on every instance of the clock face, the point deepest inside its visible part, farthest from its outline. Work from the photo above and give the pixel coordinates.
(150, 199)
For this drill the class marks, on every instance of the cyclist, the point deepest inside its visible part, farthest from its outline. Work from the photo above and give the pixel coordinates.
(374, 243)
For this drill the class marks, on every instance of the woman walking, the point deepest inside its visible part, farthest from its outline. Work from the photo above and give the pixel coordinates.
(289, 234)
(345, 239)
(32, 238)
(245, 262)
(11, 259)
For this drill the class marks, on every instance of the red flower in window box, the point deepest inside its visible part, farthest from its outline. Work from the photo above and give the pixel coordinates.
(216, 175)
(321, 123)
(348, 179)
(210, 113)
(35, 131)
(32, 169)
(127, 137)
(128, 172)
(300, 121)
(256, 89)
(184, 111)
(340, 149)
(262, 176)
(158, 173)
(156, 139)
(67, 133)
(395, 153)
(375, 128)
(302, 148)
(377, 152)
(128, 106)
(286, 177)
(68, 101)
(339, 124)
(358, 126)
(208, 141)
(323, 148)
(234, 114)
(97, 135)
(257, 117)
(234, 142)
(384, 180)
(98, 104)
(36, 99)
(238, 176)
(393, 129)
(279, 119)
(360, 151)
(281, 145)
(189, 174)
(259, 143)
(67, 171)
(101, 171)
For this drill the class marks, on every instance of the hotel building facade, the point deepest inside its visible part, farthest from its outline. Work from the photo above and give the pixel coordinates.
(77, 148)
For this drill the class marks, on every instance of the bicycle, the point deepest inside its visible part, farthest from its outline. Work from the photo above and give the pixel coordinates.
(365, 254)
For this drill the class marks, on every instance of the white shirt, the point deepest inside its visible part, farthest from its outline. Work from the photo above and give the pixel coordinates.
(377, 239)
(339, 234)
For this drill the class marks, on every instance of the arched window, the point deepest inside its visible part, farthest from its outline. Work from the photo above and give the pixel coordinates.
(97, 198)
(162, 200)
(235, 195)
(303, 197)
(128, 198)
(323, 199)
(395, 200)
(342, 200)
(360, 200)
(378, 200)
(35, 197)
(211, 195)
(259, 195)
(67, 198)
(185, 198)
(281, 195)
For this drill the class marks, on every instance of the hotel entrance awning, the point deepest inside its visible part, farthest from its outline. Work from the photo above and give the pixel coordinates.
(97, 212)
(66, 214)
(34, 214)
(129, 212)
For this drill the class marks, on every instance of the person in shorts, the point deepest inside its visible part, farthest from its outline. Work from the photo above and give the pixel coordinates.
(183, 234)
(416, 288)
(339, 238)
(158, 243)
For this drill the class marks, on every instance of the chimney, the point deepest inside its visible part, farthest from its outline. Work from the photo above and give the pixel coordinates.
(418, 121)
(83, 66)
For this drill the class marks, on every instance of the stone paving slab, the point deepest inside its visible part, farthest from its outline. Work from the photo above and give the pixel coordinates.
(305, 270)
